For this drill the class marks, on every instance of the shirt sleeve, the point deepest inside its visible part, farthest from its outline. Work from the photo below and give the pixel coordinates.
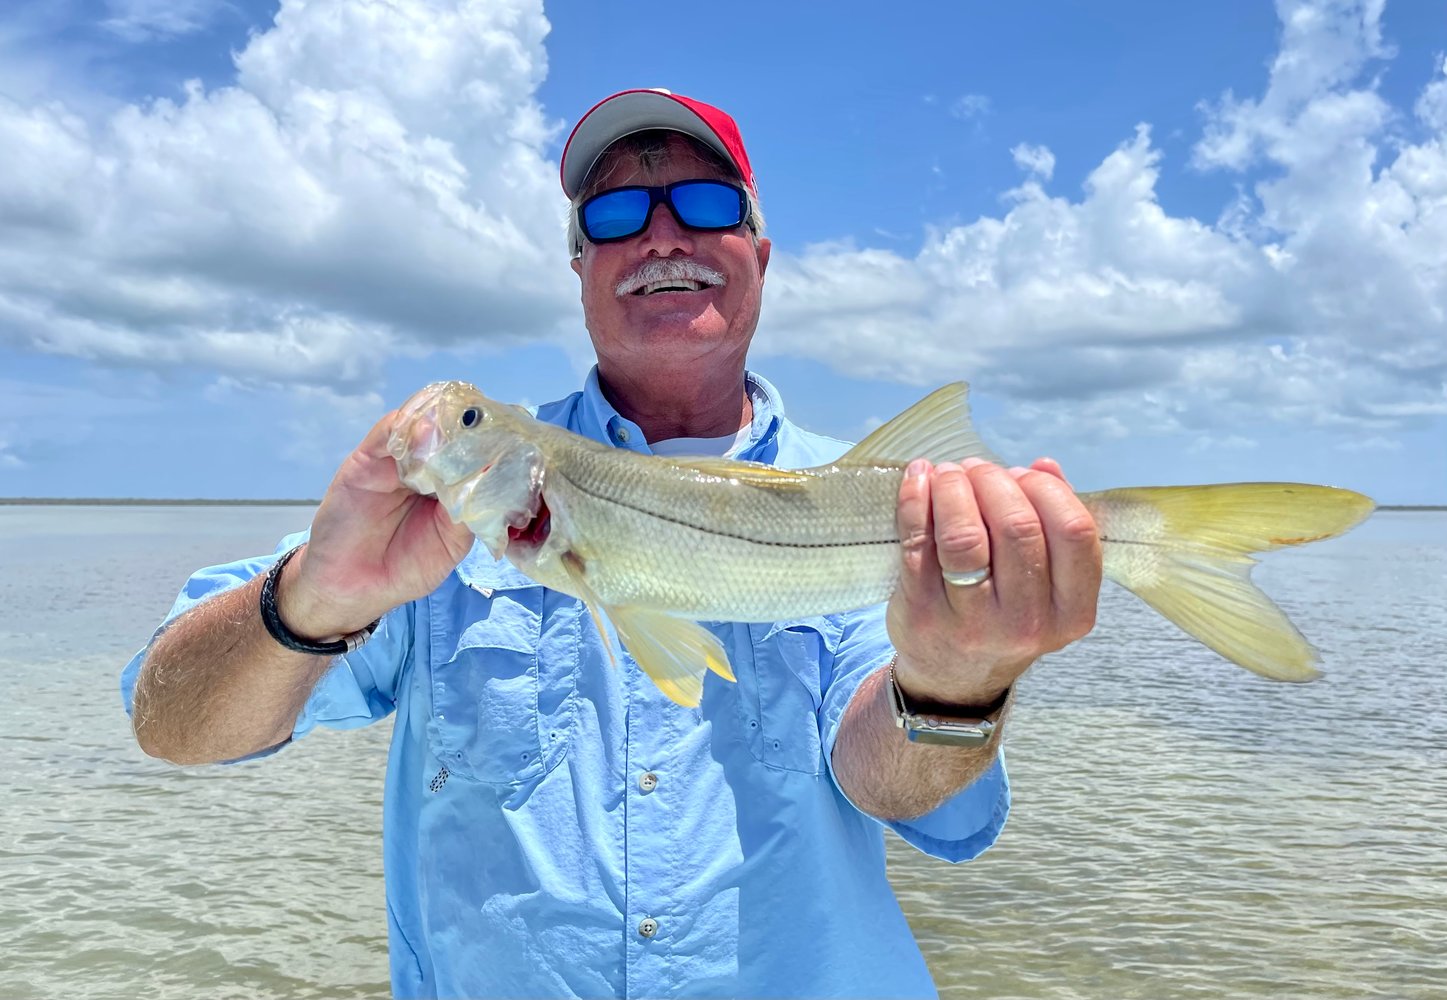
(358, 689)
(960, 828)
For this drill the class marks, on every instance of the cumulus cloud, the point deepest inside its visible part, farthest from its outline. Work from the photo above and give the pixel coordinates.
(1317, 297)
(373, 181)
(1037, 160)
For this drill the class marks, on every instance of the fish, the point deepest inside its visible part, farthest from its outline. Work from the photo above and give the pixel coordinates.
(655, 545)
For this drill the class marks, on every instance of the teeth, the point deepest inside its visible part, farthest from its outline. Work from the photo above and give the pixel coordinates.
(672, 285)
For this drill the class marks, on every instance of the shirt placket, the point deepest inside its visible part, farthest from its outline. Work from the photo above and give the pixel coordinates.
(652, 928)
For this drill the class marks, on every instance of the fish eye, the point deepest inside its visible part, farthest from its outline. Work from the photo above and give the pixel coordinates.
(471, 416)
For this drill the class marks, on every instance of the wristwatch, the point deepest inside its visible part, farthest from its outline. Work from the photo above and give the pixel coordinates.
(972, 729)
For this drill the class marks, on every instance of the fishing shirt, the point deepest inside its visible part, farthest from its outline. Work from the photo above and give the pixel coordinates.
(554, 826)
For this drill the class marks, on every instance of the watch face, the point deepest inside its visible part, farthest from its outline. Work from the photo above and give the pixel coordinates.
(950, 733)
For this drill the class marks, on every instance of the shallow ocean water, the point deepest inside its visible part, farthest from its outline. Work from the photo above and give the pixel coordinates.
(1180, 828)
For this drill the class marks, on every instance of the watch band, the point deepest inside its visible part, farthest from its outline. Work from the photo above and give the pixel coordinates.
(271, 618)
(966, 730)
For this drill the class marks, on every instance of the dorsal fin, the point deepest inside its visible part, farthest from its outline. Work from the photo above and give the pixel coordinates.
(936, 428)
(749, 473)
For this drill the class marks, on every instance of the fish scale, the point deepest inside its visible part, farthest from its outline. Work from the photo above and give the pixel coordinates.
(739, 551)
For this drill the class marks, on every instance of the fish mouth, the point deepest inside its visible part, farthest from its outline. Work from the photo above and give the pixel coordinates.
(533, 533)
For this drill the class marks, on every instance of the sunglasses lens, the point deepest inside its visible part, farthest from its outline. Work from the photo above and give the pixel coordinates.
(708, 205)
(615, 214)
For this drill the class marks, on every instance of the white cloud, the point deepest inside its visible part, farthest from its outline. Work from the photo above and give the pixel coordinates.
(144, 20)
(1037, 160)
(374, 181)
(1319, 297)
(968, 106)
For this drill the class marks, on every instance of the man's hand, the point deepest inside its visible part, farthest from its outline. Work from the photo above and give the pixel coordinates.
(967, 645)
(374, 545)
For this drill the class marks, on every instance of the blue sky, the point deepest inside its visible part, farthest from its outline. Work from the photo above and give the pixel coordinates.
(1165, 243)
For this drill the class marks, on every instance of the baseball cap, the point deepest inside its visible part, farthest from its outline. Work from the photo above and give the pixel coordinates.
(632, 111)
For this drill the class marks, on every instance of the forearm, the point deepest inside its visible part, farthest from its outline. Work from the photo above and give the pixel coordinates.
(216, 686)
(889, 776)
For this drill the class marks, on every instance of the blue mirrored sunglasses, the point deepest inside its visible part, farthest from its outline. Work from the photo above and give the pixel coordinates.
(704, 205)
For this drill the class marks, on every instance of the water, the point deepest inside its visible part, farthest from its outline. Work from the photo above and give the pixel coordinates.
(1180, 828)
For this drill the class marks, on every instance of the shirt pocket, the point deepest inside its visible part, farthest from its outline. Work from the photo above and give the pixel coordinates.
(503, 670)
(780, 693)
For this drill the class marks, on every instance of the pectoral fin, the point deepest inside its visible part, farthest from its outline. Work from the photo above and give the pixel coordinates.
(577, 573)
(675, 652)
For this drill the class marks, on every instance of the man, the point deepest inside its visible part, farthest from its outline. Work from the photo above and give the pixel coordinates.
(555, 826)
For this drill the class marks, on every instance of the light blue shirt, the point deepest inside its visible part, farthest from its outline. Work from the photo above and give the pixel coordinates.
(544, 809)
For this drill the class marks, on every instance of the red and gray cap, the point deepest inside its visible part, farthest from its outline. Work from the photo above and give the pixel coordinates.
(632, 111)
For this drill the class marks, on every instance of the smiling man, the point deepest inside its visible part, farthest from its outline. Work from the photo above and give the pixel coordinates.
(558, 827)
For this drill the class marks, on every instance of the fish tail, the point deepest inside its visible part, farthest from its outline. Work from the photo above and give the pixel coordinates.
(1186, 551)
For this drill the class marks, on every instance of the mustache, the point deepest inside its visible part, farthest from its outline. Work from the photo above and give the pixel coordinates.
(669, 269)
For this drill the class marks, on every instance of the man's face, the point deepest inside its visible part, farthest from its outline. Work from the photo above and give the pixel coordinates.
(638, 330)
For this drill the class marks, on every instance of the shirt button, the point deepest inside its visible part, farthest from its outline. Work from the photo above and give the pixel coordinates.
(647, 782)
(647, 927)
(623, 435)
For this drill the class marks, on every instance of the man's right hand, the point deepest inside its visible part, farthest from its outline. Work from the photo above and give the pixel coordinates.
(374, 545)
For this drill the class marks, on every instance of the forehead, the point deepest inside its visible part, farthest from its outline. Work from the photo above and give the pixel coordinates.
(677, 157)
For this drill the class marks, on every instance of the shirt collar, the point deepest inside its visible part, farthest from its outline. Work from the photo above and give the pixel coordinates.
(597, 418)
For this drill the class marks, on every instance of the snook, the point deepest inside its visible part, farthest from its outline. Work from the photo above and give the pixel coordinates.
(656, 544)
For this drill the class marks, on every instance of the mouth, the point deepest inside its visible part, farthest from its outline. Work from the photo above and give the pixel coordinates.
(674, 285)
(670, 276)
(535, 532)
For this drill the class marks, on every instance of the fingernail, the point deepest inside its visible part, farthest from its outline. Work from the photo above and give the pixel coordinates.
(1018, 470)
(916, 468)
(948, 467)
(971, 463)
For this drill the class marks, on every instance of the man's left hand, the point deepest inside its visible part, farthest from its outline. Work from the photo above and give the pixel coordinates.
(966, 645)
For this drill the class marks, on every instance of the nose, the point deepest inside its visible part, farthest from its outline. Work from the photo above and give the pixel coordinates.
(665, 235)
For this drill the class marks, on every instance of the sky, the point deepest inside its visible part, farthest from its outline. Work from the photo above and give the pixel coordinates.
(1165, 243)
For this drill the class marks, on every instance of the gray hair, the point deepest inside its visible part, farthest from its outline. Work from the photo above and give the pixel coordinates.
(649, 150)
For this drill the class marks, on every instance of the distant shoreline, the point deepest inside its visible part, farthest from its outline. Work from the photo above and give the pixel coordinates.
(203, 502)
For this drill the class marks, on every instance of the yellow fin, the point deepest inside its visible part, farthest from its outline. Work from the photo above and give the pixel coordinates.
(937, 428)
(749, 473)
(1185, 551)
(673, 651)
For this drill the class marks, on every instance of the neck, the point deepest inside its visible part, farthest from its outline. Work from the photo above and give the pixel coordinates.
(668, 404)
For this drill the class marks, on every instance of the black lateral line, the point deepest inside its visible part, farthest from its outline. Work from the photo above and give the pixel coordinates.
(712, 531)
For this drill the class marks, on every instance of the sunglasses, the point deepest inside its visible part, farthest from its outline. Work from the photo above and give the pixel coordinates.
(702, 205)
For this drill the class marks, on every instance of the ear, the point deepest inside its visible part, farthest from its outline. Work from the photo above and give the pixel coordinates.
(762, 251)
(577, 265)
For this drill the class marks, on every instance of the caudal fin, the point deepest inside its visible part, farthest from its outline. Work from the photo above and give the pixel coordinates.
(1186, 551)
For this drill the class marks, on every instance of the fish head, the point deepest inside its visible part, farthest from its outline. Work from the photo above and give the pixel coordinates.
(473, 454)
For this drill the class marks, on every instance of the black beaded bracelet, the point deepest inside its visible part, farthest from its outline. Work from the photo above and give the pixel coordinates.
(271, 618)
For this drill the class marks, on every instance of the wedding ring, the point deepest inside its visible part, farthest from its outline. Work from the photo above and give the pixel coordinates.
(973, 578)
